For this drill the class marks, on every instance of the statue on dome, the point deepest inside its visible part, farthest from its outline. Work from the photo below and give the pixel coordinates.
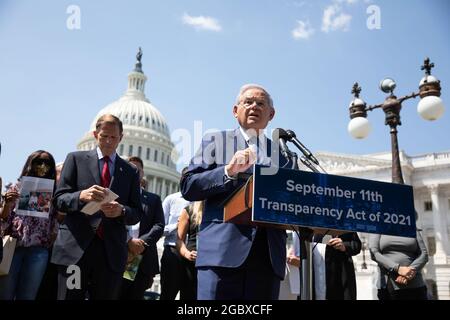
(138, 66)
(139, 55)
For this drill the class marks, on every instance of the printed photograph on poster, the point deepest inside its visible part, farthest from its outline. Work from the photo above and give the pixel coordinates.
(35, 197)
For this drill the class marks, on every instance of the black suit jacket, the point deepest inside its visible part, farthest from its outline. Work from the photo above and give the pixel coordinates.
(151, 229)
(81, 171)
(339, 269)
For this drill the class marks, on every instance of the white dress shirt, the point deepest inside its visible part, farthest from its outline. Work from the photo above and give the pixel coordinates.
(172, 205)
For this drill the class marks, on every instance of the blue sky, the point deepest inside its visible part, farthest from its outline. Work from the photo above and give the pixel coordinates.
(197, 53)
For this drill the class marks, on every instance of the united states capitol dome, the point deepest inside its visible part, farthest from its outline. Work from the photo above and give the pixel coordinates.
(145, 134)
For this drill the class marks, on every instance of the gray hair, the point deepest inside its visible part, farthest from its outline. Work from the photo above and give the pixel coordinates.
(249, 86)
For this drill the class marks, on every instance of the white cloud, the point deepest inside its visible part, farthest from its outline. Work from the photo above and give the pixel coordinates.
(299, 4)
(303, 30)
(202, 23)
(346, 1)
(334, 19)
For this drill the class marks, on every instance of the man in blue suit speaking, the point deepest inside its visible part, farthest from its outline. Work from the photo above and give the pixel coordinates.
(235, 261)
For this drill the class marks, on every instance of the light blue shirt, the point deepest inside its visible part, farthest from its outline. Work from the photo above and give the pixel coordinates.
(172, 205)
(258, 144)
(101, 162)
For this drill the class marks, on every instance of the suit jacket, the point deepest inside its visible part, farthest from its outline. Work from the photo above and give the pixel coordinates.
(151, 229)
(226, 244)
(339, 269)
(81, 171)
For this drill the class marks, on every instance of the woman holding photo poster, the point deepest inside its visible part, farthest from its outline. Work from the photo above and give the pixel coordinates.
(32, 229)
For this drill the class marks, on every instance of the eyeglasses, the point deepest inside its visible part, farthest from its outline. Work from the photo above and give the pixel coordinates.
(249, 103)
(41, 161)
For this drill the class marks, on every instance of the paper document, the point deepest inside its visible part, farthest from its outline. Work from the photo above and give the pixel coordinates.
(94, 206)
(35, 197)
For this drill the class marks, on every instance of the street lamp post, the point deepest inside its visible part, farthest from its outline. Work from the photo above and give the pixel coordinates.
(430, 107)
(363, 248)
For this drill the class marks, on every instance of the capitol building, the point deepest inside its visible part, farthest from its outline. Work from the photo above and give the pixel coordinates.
(145, 134)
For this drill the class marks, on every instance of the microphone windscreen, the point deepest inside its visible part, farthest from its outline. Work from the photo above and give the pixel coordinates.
(290, 133)
(279, 133)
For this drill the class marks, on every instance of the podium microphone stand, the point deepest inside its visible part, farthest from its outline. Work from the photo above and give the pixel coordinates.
(305, 236)
(238, 209)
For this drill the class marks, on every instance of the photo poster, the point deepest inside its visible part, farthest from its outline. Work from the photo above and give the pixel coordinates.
(132, 266)
(35, 197)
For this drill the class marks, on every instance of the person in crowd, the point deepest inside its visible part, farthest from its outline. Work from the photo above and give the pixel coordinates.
(236, 261)
(171, 261)
(60, 216)
(48, 289)
(401, 261)
(95, 243)
(142, 241)
(33, 234)
(340, 278)
(188, 223)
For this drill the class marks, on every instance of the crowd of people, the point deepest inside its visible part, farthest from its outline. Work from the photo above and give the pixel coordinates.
(79, 253)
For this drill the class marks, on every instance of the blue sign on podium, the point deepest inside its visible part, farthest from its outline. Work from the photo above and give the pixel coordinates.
(333, 202)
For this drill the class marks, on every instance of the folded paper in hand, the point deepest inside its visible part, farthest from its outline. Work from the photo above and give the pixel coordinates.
(94, 206)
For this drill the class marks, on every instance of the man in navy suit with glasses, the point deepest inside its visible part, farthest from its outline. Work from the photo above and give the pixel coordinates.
(235, 261)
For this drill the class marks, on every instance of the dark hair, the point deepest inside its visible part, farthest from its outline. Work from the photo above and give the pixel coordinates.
(110, 119)
(28, 167)
(183, 175)
(136, 159)
(184, 170)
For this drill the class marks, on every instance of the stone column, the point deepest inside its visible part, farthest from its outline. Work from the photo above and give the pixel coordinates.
(151, 184)
(442, 271)
(440, 224)
(174, 187)
(158, 187)
(163, 189)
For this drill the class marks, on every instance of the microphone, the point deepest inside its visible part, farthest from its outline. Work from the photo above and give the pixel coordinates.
(292, 137)
(282, 136)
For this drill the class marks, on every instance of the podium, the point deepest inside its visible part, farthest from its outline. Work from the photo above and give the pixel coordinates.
(238, 209)
(322, 202)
